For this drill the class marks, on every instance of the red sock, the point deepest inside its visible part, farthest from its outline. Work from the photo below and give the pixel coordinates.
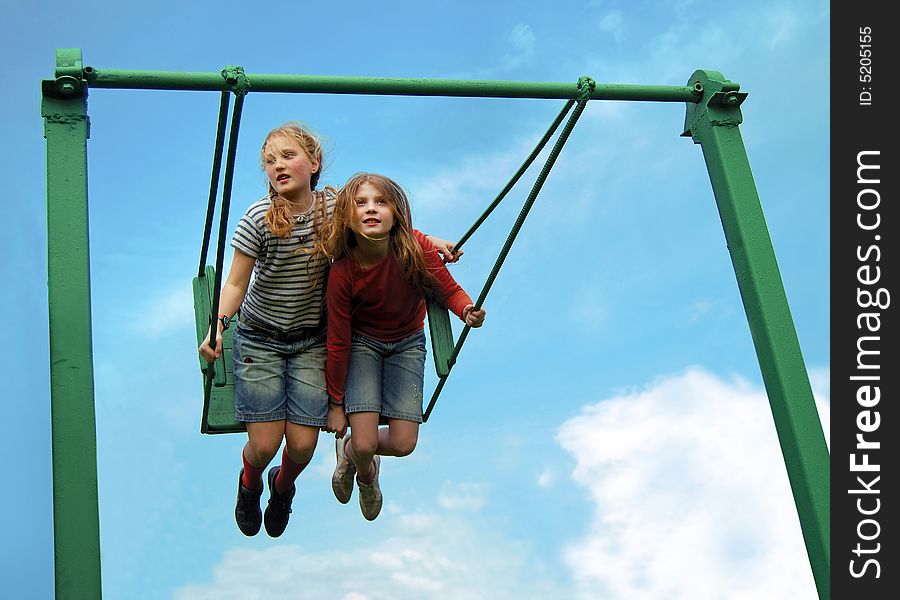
(288, 473)
(252, 477)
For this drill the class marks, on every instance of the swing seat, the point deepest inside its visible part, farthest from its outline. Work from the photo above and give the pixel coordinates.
(441, 336)
(218, 404)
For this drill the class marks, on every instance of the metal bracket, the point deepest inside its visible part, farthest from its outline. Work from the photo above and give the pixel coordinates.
(720, 101)
(69, 82)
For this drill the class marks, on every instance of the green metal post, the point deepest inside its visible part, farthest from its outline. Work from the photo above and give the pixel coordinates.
(713, 123)
(76, 520)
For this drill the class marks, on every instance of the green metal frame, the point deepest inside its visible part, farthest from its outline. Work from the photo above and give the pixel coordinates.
(713, 123)
(75, 512)
(712, 120)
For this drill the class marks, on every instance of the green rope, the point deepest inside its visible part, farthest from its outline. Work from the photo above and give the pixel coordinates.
(515, 178)
(239, 84)
(585, 88)
(236, 79)
(214, 179)
(223, 215)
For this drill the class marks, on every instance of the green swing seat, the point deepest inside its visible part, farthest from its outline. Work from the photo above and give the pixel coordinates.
(441, 336)
(218, 402)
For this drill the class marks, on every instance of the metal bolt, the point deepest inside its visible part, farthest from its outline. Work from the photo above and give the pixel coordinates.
(67, 85)
(731, 99)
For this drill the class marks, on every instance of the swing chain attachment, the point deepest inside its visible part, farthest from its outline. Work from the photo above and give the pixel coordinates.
(236, 79)
(586, 87)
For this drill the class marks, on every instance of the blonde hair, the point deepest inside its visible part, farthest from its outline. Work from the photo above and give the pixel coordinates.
(280, 217)
(339, 237)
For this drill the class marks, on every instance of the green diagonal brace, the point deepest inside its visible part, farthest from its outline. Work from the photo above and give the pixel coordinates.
(713, 123)
(76, 528)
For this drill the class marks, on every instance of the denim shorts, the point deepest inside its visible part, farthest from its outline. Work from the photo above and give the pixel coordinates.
(386, 377)
(276, 380)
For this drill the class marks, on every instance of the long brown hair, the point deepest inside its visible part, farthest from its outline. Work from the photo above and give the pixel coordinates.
(280, 217)
(339, 238)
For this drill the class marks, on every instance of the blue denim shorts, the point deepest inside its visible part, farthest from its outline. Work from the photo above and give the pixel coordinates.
(386, 377)
(276, 380)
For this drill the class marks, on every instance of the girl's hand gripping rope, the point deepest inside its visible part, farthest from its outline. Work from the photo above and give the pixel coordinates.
(445, 249)
(472, 317)
(208, 353)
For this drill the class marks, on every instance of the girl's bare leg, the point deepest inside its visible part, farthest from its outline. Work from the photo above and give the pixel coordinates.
(363, 440)
(264, 440)
(398, 438)
(300, 442)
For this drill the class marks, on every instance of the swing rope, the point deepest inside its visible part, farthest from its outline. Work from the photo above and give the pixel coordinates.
(586, 86)
(240, 86)
(515, 178)
(214, 180)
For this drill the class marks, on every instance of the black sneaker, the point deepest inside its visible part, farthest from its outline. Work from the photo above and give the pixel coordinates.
(247, 513)
(279, 509)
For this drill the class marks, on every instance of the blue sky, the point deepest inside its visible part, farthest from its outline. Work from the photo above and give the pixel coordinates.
(606, 434)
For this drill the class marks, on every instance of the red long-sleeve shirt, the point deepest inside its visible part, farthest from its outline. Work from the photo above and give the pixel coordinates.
(378, 302)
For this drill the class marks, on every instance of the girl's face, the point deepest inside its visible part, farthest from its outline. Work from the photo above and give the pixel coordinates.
(373, 215)
(288, 167)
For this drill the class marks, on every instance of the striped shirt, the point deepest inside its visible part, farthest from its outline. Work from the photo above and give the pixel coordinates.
(287, 290)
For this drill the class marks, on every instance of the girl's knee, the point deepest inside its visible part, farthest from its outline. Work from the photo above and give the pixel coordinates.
(363, 445)
(301, 451)
(405, 446)
(262, 451)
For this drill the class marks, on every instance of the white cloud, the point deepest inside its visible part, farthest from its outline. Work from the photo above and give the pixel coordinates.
(613, 23)
(462, 496)
(691, 493)
(172, 311)
(780, 27)
(473, 179)
(428, 555)
(587, 308)
(820, 381)
(699, 309)
(522, 40)
(546, 478)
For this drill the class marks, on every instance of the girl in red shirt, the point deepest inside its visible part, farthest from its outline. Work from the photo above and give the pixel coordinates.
(382, 272)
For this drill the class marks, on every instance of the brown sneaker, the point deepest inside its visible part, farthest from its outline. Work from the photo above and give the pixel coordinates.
(370, 499)
(344, 470)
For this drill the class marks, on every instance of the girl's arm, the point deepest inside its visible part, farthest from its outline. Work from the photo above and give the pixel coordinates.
(338, 294)
(445, 249)
(233, 291)
(454, 297)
